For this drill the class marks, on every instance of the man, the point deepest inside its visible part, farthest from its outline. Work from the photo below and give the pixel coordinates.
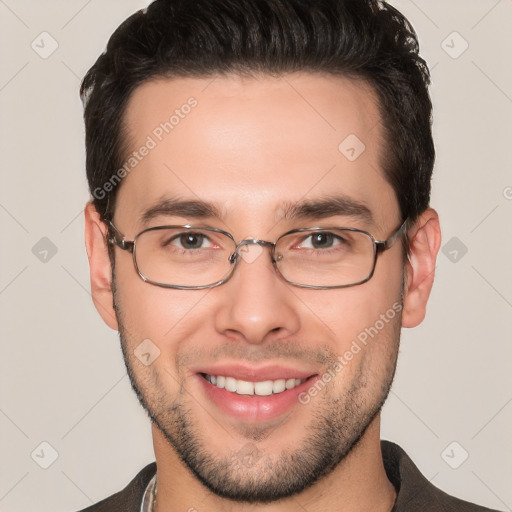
(259, 233)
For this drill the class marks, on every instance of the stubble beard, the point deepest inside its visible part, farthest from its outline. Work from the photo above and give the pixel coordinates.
(249, 475)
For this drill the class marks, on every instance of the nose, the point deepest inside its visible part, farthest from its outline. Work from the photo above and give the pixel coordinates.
(256, 303)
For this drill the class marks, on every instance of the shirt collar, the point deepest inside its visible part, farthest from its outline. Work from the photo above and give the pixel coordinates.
(147, 498)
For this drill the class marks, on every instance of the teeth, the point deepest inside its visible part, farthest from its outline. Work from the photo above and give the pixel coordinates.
(230, 384)
(279, 386)
(244, 388)
(263, 388)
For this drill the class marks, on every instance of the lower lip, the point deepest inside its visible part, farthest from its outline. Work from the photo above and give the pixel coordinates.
(254, 408)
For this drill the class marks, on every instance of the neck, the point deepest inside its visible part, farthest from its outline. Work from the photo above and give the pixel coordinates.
(359, 483)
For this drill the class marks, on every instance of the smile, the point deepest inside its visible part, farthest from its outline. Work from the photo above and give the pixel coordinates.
(261, 388)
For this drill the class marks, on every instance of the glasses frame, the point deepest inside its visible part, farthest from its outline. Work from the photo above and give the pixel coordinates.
(379, 246)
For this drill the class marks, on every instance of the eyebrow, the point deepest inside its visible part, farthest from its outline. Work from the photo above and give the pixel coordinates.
(329, 206)
(321, 208)
(195, 209)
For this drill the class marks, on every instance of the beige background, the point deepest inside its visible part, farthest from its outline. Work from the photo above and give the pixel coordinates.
(63, 380)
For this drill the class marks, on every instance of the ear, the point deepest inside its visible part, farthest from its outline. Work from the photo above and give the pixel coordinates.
(425, 240)
(99, 265)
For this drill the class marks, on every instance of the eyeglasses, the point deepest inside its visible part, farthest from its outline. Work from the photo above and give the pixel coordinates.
(195, 257)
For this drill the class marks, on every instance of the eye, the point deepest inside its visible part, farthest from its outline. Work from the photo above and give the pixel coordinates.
(321, 240)
(190, 240)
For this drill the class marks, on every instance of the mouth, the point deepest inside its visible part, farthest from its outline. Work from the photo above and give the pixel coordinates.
(259, 388)
(255, 395)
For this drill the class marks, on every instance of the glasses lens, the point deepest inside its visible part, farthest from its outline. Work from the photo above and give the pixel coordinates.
(183, 257)
(337, 257)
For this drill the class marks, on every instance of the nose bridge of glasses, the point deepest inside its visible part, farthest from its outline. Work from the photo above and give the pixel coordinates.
(249, 242)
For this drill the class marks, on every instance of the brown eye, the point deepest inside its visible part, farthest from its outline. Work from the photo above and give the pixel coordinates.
(321, 240)
(191, 240)
(187, 240)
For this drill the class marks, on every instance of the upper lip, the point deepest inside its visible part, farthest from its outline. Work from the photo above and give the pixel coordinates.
(256, 374)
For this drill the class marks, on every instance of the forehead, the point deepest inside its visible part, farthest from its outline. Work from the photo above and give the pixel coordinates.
(253, 144)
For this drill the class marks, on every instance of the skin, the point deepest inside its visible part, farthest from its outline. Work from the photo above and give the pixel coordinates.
(249, 145)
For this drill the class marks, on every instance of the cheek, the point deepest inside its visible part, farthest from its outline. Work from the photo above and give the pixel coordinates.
(363, 321)
(367, 332)
(148, 311)
(348, 312)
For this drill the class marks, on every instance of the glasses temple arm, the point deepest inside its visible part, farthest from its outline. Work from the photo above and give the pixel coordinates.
(386, 244)
(119, 240)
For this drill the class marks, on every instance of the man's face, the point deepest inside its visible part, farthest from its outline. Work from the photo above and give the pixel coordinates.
(252, 148)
